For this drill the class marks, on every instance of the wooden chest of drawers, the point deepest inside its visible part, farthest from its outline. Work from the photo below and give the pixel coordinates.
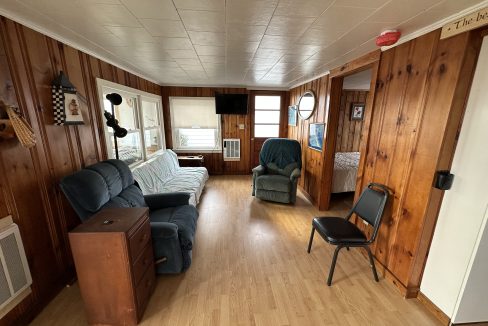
(115, 265)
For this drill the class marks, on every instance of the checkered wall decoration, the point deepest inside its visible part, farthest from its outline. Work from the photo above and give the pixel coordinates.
(60, 86)
(58, 105)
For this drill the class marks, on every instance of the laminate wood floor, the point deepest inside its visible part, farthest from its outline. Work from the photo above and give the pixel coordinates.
(250, 267)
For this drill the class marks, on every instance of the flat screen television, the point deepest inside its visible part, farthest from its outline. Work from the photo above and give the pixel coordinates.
(231, 103)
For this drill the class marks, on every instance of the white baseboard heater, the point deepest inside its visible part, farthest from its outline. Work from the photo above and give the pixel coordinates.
(15, 277)
(232, 149)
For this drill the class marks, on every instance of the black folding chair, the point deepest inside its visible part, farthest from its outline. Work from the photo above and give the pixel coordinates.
(342, 233)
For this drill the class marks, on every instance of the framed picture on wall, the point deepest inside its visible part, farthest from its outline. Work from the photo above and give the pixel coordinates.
(316, 136)
(357, 111)
(292, 115)
(74, 105)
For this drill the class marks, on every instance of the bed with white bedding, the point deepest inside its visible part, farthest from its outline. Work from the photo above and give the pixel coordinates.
(345, 172)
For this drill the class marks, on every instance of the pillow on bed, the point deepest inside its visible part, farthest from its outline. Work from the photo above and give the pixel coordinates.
(286, 171)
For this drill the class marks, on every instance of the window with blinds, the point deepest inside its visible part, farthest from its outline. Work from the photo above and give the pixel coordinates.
(195, 125)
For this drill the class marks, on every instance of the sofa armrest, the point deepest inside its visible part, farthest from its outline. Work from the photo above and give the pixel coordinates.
(259, 170)
(295, 174)
(165, 200)
(166, 247)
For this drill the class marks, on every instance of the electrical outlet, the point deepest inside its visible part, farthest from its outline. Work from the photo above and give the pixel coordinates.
(241, 126)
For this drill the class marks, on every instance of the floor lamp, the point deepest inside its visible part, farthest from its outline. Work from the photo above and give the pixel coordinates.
(119, 132)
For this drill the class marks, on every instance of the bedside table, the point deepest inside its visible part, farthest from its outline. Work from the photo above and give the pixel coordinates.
(114, 262)
(191, 161)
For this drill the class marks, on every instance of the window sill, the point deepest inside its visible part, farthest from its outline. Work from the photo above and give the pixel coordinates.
(197, 150)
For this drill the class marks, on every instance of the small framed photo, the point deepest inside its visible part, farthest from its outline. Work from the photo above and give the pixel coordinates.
(316, 136)
(292, 115)
(357, 111)
(73, 108)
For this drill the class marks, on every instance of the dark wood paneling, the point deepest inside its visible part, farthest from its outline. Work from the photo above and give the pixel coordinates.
(29, 179)
(229, 123)
(349, 131)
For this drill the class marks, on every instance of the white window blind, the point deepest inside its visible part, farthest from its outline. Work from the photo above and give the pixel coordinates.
(194, 123)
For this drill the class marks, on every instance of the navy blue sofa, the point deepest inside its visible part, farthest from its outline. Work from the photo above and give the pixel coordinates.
(111, 184)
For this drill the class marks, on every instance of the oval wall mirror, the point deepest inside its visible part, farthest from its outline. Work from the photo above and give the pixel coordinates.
(306, 104)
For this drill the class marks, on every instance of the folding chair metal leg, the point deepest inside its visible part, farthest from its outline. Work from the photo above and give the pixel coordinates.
(332, 267)
(311, 240)
(371, 262)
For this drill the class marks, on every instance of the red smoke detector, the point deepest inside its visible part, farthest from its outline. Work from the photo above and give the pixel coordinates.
(388, 38)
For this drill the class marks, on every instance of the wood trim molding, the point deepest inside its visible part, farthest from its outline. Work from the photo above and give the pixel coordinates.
(441, 316)
(356, 65)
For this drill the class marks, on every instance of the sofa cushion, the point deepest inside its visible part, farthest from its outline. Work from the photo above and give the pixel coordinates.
(273, 182)
(129, 197)
(185, 217)
(162, 174)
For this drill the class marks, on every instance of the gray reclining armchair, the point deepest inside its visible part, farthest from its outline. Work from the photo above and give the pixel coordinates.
(110, 184)
(276, 178)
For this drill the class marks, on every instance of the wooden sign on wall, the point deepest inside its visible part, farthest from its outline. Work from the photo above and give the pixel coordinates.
(466, 23)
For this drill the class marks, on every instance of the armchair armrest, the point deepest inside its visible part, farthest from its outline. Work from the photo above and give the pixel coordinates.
(295, 174)
(165, 200)
(259, 170)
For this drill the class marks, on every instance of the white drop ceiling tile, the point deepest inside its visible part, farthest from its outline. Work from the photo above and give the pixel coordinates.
(163, 27)
(342, 18)
(161, 64)
(305, 8)
(241, 12)
(107, 14)
(320, 36)
(155, 9)
(210, 50)
(215, 5)
(396, 11)
(131, 34)
(207, 38)
(276, 42)
(215, 67)
(244, 48)
(364, 32)
(112, 2)
(361, 3)
(203, 21)
(245, 32)
(182, 54)
(294, 58)
(50, 6)
(107, 39)
(188, 62)
(174, 43)
(287, 26)
(193, 68)
(212, 59)
(303, 49)
(438, 12)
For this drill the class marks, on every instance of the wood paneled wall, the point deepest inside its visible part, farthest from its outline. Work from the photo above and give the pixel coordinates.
(417, 111)
(418, 105)
(229, 123)
(29, 178)
(349, 131)
(312, 159)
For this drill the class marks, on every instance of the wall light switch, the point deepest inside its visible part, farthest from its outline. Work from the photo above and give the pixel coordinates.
(241, 126)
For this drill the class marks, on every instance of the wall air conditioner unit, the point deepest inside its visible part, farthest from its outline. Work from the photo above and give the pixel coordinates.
(15, 277)
(232, 149)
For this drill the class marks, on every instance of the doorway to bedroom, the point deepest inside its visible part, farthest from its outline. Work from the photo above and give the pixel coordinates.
(353, 100)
